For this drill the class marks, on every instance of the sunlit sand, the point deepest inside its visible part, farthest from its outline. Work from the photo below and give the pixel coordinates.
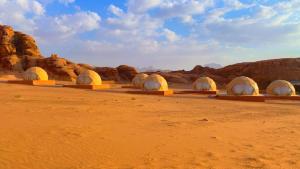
(65, 128)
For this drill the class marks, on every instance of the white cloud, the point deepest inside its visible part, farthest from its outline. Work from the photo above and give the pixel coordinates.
(170, 35)
(138, 6)
(187, 19)
(235, 4)
(116, 10)
(66, 2)
(64, 26)
(135, 36)
(125, 27)
(80, 22)
(30, 6)
(183, 8)
(20, 13)
(259, 26)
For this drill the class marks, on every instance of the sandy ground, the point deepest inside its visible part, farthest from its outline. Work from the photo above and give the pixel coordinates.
(62, 128)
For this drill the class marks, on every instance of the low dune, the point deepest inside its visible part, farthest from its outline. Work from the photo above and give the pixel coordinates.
(62, 128)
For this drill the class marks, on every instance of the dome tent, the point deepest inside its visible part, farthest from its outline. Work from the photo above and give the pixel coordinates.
(35, 73)
(205, 84)
(89, 77)
(242, 86)
(281, 88)
(155, 82)
(139, 80)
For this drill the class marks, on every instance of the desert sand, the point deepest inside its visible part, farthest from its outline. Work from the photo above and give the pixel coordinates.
(64, 128)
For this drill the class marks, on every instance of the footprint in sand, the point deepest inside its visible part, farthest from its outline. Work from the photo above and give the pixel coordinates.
(70, 132)
(170, 123)
(252, 162)
(211, 156)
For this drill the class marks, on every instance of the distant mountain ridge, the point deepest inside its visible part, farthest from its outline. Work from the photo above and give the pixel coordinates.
(213, 65)
(263, 72)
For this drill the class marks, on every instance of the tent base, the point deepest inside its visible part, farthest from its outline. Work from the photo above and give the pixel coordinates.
(242, 98)
(34, 82)
(109, 82)
(92, 87)
(130, 87)
(195, 92)
(282, 97)
(161, 93)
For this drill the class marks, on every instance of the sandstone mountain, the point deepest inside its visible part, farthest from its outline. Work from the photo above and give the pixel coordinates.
(19, 51)
(264, 72)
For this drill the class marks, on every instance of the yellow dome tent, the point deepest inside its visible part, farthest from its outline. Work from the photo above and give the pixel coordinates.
(155, 82)
(34, 76)
(204, 84)
(89, 77)
(281, 88)
(35, 73)
(139, 80)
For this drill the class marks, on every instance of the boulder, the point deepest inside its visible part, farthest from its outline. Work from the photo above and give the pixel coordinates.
(6, 41)
(26, 45)
(126, 73)
(108, 73)
(175, 77)
(11, 63)
(58, 68)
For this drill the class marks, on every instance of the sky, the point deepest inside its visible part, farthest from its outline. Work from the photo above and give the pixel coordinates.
(166, 34)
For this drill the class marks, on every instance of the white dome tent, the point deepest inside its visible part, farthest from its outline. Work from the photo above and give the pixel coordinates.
(242, 86)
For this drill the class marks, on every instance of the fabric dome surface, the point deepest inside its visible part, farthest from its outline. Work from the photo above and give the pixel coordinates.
(89, 77)
(139, 80)
(155, 82)
(35, 73)
(205, 84)
(281, 88)
(242, 86)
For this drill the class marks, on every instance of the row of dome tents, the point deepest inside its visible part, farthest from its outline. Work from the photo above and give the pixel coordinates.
(156, 84)
(238, 86)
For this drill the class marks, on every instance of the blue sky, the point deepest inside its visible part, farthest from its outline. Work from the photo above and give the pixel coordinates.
(169, 34)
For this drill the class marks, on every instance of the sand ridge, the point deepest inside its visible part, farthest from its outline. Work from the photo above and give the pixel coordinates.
(62, 128)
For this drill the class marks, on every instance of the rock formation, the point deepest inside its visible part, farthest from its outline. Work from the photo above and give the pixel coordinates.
(108, 73)
(127, 73)
(14, 47)
(19, 52)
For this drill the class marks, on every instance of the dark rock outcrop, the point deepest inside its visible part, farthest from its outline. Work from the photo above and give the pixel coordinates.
(126, 73)
(108, 73)
(122, 73)
(15, 49)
